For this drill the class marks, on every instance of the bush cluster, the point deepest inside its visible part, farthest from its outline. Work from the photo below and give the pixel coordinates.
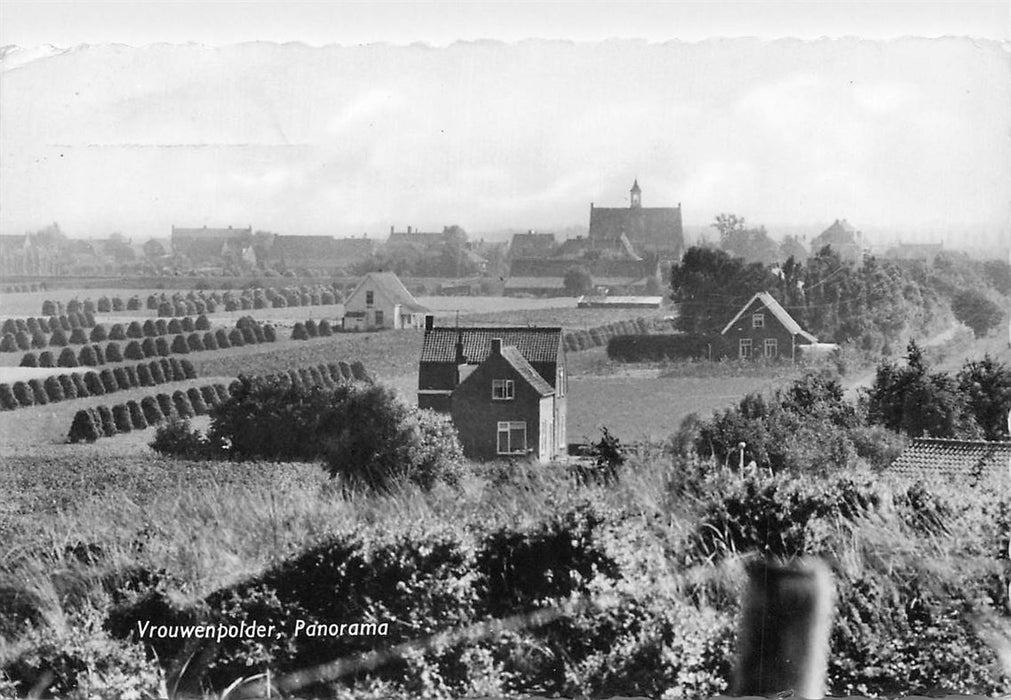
(303, 330)
(601, 335)
(75, 385)
(254, 296)
(40, 332)
(89, 424)
(658, 348)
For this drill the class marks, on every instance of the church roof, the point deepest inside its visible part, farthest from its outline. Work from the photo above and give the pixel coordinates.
(658, 228)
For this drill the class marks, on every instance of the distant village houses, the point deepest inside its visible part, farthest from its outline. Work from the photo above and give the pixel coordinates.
(843, 238)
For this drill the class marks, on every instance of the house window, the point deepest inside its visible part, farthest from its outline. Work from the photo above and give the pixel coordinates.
(560, 388)
(370, 298)
(771, 347)
(512, 437)
(379, 317)
(744, 348)
(503, 389)
(758, 320)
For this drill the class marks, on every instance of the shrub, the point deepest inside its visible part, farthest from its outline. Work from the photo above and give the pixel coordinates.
(84, 427)
(68, 386)
(359, 372)
(58, 338)
(48, 307)
(112, 353)
(149, 407)
(98, 334)
(38, 392)
(161, 344)
(133, 351)
(29, 359)
(87, 356)
(23, 394)
(107, 421)
(121, 417)
(157, 374)
(187, 368)
(67, 358)
(46, 359)
(53, 388)
(209, 395)
(123, 378)
(104, 305)
(80, 385)
(94, 384)
(269, 333)
(177, 439)
(299, 332)
(174, 370)
(166, 405)
(196, 401)
(134, 330)
(116, 332)
(108, 381)
(184, 409)
(144, 377)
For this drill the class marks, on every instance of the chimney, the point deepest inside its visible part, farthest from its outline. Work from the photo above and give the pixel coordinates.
(496, 346)
(429, 322)
(461, 359)
(391, 230)
(408, 229)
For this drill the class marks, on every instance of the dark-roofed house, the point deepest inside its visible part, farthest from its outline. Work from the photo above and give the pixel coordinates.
(954, 461)
(532, 245)
(763, 328)
(382, 301)
(843, 239)
(649, 229)
(319, 252)
(413, 240)
(497, 384)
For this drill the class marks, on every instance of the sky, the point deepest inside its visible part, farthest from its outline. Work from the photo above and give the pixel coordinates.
(347, 118)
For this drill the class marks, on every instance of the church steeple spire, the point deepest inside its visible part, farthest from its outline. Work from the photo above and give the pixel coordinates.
(635, 200)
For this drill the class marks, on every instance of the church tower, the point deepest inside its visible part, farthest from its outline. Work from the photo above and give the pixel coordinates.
(635, 200)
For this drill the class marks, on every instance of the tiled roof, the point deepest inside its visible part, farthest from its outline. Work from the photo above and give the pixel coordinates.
(839, 233)
(953, 459)
(525, 245)
(657, 228)
(778, 311)
(519, 363)
(535, 344)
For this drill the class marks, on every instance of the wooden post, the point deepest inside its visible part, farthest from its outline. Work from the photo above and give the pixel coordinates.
(785, 623)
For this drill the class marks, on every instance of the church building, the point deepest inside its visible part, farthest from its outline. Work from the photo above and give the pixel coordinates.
(649, 229)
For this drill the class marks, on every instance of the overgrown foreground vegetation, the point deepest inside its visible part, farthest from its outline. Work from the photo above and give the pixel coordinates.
(642, 577)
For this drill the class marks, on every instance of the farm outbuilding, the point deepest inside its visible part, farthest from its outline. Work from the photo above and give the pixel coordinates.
(382, 301)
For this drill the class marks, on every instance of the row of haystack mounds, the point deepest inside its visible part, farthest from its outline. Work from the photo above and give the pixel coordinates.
(23, 334)
(80, 385)
(26, 333)
(311, 329)
(247, 332)
(326, 376)
(24, 288)
(75, 305)
(89, 424)
(597, 337)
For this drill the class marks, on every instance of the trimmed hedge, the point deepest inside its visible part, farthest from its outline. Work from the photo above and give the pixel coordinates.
(656, 348)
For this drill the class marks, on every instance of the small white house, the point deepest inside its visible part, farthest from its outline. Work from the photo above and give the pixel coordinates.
(382, 301)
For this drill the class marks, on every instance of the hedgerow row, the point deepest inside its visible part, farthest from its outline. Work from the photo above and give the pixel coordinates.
(77, 385)
(248, 331)
(596, 337)
(89, 424)
(324, 375)
(16, 338)
(24, 333)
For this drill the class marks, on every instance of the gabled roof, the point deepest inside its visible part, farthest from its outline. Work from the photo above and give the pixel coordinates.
(953, 459)
(839, 233)
(778, 311)
(392, 288)
(540, 345)
(519, 363)
(531, 245)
